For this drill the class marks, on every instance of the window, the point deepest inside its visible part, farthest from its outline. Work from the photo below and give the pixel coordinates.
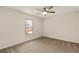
(28, 26)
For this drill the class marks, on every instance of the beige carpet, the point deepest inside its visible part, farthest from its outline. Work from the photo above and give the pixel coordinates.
(44, 45)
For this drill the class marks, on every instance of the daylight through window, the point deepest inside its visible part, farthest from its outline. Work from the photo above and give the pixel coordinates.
(28, 26)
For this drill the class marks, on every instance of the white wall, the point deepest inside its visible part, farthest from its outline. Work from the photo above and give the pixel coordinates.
(63, 26)
(12, 27)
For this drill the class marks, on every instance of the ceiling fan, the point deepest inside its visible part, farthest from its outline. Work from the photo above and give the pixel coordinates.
(46, 10)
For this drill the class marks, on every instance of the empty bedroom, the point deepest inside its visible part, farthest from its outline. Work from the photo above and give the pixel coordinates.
(39, 29)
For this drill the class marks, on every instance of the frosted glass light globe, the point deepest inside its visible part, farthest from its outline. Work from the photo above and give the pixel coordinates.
(45, 13)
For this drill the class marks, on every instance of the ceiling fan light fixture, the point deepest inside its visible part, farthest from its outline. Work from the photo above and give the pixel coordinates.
(46, 10)
(44, 13)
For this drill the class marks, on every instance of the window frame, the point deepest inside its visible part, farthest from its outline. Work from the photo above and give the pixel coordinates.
(26, 25)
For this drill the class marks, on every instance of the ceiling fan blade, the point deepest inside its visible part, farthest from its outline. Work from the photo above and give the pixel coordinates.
(51, 11)
(50, 7)
(38, 13)
(38, 9)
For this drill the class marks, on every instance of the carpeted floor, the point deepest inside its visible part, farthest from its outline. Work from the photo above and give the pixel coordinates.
(44, 45)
